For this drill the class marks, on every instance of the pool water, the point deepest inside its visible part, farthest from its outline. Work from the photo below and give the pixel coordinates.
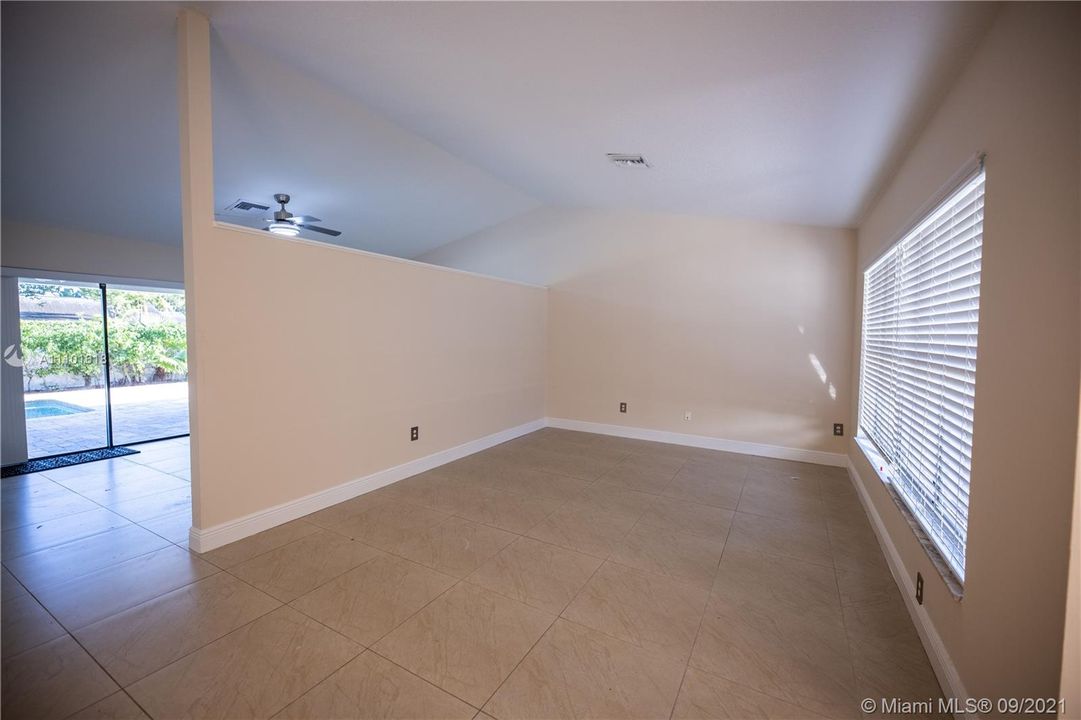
(51, 408)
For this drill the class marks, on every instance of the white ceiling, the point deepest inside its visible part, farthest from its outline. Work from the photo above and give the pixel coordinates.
(409, 125)
(387, 189)
(90, 136)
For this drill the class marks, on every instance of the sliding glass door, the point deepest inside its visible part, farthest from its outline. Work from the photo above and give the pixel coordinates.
(63, 364)
(148, 365)
(102, 365)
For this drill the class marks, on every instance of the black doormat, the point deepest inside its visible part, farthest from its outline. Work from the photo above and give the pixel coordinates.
(59, 461)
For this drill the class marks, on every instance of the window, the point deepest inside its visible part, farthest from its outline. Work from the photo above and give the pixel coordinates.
(921, 305)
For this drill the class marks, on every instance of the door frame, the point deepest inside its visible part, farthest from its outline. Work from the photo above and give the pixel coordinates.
(102, 282)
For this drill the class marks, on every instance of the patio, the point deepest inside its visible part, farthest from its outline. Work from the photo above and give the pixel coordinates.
(140, 413)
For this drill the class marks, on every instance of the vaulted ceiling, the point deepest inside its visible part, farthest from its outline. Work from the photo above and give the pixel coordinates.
(409, 125)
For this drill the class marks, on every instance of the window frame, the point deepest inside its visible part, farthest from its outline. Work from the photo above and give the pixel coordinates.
(884, 468)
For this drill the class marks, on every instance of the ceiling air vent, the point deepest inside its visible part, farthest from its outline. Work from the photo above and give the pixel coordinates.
(628, 160)
(245, 208)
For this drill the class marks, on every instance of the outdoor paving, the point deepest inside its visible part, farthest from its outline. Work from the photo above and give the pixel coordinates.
(140, 413)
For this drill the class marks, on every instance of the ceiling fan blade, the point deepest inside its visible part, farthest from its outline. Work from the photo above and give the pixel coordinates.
(301, 219)
(316, 228)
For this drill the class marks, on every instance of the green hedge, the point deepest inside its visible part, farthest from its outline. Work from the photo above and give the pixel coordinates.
(147, 337)
(75, 347)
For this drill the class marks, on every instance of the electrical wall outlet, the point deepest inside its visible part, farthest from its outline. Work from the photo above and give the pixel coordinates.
(623, 407)
(687, 416)
(414, 433)
(838, 429)
(919, 588)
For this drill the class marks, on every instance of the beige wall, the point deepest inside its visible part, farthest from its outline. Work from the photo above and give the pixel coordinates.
(1018, 100)
(342, 351)
(724, 318)
(54, 249)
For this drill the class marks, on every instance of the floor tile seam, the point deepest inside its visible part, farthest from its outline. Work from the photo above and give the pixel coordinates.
(476, 584)
(136, 497)
(230, 571)
(786, 556)
(691, 501)
(849, 642)
(318, 528)
(789, 496)
(602, 558)
(454, 513)
(377, 557)
(655, 654)
(110, 508)
(694, 643)
(173, 542)
(670, 579)
(92, 470)
(646, 523)
(371, 646)
(515, 533)
(136, 702)
(151, 518)
(190, 652)
(90, 655)
(47, 612)
(783, 518)
(161, 454)
(759, 691)
(840, 608)
(551, 545)
(62, 517)
(548, 471)
(54, 585)
(68, 542)
(419, 610)
(533, 495)
(73, 630)
(443, 690)
(396, 554)
(323, 679)
(555, 619)
(426, 681)
(681, 533)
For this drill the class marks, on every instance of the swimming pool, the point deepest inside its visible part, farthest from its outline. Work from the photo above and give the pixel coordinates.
(51, 408)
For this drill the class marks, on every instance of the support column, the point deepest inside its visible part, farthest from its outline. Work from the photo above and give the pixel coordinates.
(197, 204)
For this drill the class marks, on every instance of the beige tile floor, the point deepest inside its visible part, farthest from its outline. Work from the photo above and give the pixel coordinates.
(557, 575)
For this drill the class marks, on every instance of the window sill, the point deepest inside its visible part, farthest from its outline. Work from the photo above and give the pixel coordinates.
(877, 464)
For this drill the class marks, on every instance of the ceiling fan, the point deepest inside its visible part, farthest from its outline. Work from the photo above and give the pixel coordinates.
(286, 223)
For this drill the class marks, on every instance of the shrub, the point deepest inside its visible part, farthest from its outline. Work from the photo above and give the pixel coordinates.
(145, 337)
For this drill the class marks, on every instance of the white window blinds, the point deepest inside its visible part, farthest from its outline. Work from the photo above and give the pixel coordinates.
(921, 306)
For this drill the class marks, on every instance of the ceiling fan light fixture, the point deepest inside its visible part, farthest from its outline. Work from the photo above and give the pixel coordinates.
(284, 228)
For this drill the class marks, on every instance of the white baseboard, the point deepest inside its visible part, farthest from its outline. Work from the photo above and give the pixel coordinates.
(206, 539)
(779, 452)
(941, 662)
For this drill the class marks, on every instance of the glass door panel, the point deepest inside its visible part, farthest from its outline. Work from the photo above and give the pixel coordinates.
(148, 363)
(62, 338)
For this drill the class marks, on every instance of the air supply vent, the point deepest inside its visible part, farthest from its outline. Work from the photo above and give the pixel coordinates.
(245, 208)
(628, 160)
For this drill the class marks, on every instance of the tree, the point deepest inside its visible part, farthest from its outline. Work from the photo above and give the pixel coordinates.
(65, 347)
(147, 336)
